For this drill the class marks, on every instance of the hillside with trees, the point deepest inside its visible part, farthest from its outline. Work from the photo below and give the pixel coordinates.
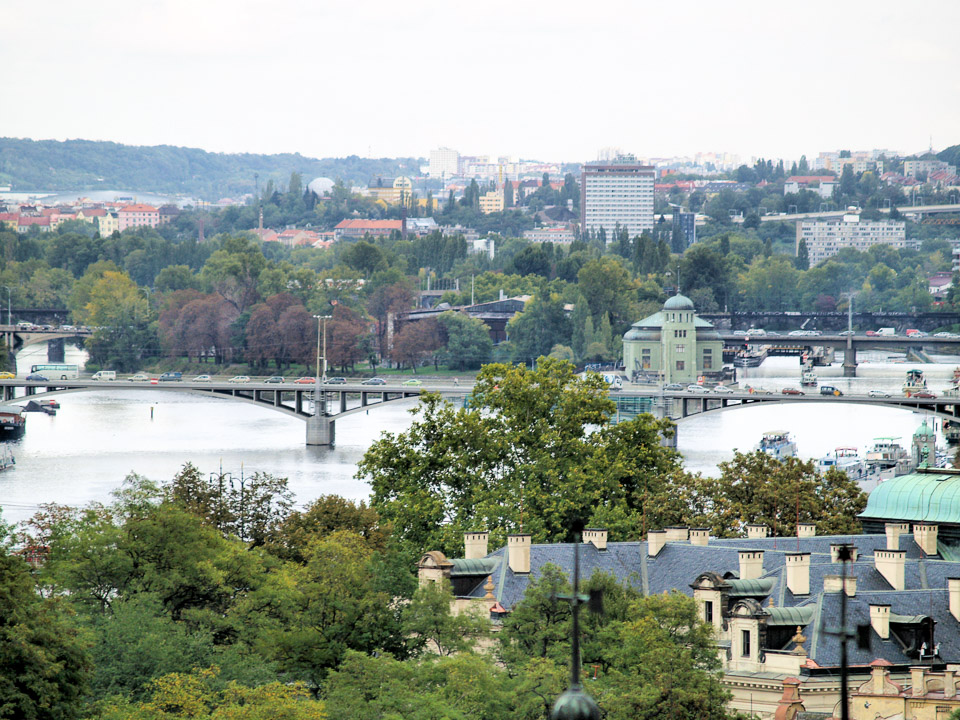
(89, 165)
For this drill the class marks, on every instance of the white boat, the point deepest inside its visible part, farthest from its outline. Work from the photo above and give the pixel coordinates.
(844, 459)
(914, 383)
(777, 444)
(7, 460)
(888, 454)
(808, 378)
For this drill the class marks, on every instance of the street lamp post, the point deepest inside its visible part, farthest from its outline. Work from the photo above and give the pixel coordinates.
(316, 392)
(9, 313)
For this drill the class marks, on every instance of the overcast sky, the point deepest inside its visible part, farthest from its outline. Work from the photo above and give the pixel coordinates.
(548, 80)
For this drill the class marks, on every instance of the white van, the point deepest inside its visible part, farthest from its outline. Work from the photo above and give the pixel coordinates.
(887, 332)
(104, 375)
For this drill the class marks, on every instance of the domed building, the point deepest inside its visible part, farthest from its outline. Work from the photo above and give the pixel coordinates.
(673, 344)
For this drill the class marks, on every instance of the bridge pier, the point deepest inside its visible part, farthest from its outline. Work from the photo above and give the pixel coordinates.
(56, 350)
(321, 430)
(850, 359)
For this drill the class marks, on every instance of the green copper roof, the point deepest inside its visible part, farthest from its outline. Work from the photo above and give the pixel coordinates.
(657, 319)
(751, 588)
(927, 497)
(790, 615)
(678, 302)
(483, 566)
(575, 704)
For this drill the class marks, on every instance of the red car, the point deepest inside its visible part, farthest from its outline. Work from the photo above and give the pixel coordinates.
(924, 395)
(305, 381)
(791, 391)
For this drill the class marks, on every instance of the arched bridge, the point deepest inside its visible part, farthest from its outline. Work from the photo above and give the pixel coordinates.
(292, 399)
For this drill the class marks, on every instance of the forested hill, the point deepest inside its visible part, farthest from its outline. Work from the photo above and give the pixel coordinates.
(87, 165)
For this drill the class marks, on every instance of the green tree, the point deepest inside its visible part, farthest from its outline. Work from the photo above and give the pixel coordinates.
(542, 324)
(435, 628)
(803, 256)
(578, 322)
(607, 286)
(121, 313)
(468, 341)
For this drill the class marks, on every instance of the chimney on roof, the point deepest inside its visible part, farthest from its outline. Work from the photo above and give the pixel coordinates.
(926, 537)
(677, 533)
(835, 583)
(756, 531)
(880, 620)
(891, 564)
(751, 564)
(918, 684)
(835, 552)
(699, 536)
(597, 536)
(656, 539)
(953, 594)
(475, 544)
(798, 573)
(806, 530)
(894, 531)
(518, 553)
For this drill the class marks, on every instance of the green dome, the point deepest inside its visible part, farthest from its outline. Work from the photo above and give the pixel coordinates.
(575, 704)
(918, 497)
(678, 302)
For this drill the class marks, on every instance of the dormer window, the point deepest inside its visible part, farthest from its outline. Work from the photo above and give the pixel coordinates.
(708, 611)
(745, 643)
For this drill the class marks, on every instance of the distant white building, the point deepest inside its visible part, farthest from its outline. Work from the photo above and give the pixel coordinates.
(619, 192)
(444, 163)
(558, 234)
(825, 238)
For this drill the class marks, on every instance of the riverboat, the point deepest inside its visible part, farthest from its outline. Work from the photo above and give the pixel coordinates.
(7, 460)
(808, 378)
(914, 383)
(750, 358)
(888, 454)
(777, 444)
(844, 459)
(12, 421)
(951, 430)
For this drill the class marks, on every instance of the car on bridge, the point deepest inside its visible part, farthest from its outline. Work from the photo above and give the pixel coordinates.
(413, 382)
(878, 394)
(239, 379)
(172, 376)
(37, 377)
(202, 378)
(791, 391)
(847, 332)
(274, 379)
(7, 376)
(723, 389)
(924, 395)
(673, 387)
(830, 390)
(697, 389)
(305, 380)
(374, 381)
(337, 381)
(140, 377)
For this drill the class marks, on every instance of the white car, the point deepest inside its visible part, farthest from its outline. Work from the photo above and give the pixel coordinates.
(878, 393)
(140, 377)
(697, 388)
(239, 379)
(722, 389)
(943, 334)
(756, 332)
(797, 333)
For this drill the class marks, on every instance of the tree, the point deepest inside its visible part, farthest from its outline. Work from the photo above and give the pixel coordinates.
(435, 629)
(532, 260)
(578, 320)
(234, 271)
(468, 343)
(326, 515)
(416, 341)
(542, 324)
(121, 313)
(44, 663)
(522, 455)
(803, 256)
(389, 300)
(607, 287)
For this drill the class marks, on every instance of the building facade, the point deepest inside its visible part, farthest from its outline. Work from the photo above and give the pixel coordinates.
(138, 215)
(673, 345)
(491, 202)
(686, 223)
(825, 238)
(617, 194)
(444, 163)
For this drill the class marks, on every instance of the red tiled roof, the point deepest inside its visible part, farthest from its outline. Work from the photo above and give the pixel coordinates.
(138, 207)
(9, 217)
(27, 220)
(94, 212)
(368, 225)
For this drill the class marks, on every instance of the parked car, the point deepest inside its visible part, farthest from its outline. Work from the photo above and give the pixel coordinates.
(202, 378)
(37, 377)
(830, 390)
(305, 380)
(140, 377)
(413, 381)
(274, 379)
(172, 376)
(239, 379)
(791, 391)
(697, 388)
(374, 381)
(673, 387)
(337, 381)
(878, 393)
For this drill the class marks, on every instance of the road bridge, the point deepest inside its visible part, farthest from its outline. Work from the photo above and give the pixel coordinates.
(828, 322)
(907, 210)
(16, 338)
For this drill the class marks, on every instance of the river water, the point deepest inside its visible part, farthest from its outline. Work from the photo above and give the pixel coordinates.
(84, 452)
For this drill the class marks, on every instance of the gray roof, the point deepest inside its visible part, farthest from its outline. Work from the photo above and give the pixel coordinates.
(679, 564)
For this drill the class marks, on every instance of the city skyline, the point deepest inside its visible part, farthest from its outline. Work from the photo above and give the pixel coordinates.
(375, 79)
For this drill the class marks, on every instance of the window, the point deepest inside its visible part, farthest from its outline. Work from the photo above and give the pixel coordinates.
(708, 611)
(680, 365)
(645, 359)
(681, 348)
(745, 643)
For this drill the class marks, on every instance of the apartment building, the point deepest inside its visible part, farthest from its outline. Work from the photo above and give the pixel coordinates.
(444, 163)
(138, 215)
(825, 238)
(617, 193)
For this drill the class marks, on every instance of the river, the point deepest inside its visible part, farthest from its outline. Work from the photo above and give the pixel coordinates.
(84, 452)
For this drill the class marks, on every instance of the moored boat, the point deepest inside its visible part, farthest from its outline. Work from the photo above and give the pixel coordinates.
(777, 444)
(844, 459)
(12, 421)
(808, 378)
(888, 454)
(914, 383)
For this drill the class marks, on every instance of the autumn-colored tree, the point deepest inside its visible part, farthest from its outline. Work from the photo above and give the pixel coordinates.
(387, 299)
(417, 341)
(298, 333)
(346, 334)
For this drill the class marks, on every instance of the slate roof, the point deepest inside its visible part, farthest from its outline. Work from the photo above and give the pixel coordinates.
(679, 564)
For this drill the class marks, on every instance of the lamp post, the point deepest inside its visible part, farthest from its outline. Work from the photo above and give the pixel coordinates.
(9, 314)
(316, 393)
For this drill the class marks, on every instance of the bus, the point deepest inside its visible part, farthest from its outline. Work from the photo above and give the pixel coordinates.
(57, 371)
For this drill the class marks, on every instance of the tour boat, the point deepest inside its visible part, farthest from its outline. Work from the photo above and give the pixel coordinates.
(12, 420)
(914, 383)
(750, 358)
(808, 377)
(887, 454)
(951, 430)
(778, 445)
(844, 459)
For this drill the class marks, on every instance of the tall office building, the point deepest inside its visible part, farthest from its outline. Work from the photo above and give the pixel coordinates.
(444, 163)
(618, 192)
(686, 222)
